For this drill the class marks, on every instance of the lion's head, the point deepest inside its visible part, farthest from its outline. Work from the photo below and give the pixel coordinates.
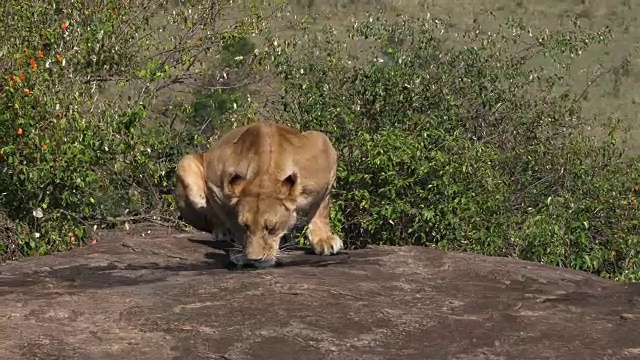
(265, 206)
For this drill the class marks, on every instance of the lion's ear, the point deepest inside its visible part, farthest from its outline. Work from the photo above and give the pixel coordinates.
(290, 181)
(291, 189)
(234, 184)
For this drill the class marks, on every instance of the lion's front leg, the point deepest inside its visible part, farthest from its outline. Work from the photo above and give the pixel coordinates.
(192, 203)
(323, 240)
(190, 193)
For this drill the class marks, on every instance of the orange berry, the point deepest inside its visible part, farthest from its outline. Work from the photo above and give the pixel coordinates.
(64, 26)
(21, 77)
(19, 131)
(59, 57)
(40, 54)
(34, 65)
(44, 147)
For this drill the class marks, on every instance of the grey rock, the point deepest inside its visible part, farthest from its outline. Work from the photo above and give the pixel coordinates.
(171, 296)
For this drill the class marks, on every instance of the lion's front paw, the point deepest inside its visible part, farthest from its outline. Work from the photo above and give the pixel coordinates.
(327, 245)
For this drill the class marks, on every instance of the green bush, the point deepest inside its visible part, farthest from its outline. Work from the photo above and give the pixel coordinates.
(212, 104)
(460, 143)
(93, 98)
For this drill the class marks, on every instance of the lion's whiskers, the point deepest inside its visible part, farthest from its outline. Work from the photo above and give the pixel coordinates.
(288, 245)
(238, 257)
(236, 246)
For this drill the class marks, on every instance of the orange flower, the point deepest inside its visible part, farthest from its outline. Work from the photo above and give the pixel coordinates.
(34, 65)
(59, 57)
(64, 26)
(27, 92)
(21, 77)
(44, 147)
(19, 131)
(40, 54)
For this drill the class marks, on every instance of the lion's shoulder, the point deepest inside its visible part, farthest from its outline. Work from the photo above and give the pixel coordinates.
(270, 152)
(265, 136)
(265, 144)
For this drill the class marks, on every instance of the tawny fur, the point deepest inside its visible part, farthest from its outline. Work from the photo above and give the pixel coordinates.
(254, 180)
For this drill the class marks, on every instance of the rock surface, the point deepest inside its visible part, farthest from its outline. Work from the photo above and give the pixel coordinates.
(170, 297)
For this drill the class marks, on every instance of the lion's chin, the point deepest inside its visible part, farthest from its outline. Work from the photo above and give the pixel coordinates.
(241, 261)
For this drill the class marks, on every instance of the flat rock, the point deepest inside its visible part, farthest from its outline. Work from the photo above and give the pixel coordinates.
(172, 297)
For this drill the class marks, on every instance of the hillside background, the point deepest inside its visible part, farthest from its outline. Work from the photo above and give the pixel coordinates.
(614, 93)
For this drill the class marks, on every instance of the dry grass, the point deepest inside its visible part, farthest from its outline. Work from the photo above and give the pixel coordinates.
(613, 93)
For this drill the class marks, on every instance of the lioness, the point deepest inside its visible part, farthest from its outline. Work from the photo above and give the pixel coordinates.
(250, 185)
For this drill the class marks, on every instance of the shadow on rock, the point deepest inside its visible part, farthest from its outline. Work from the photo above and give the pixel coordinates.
(293, 256)
(111, 275)
(87, 276)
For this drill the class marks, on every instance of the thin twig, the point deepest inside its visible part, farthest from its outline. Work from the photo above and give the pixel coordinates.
(593, 81)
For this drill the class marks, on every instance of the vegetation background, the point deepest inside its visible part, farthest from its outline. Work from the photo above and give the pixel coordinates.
(503, 128)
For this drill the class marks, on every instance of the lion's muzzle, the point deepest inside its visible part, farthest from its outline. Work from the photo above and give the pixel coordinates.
(242, 260)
